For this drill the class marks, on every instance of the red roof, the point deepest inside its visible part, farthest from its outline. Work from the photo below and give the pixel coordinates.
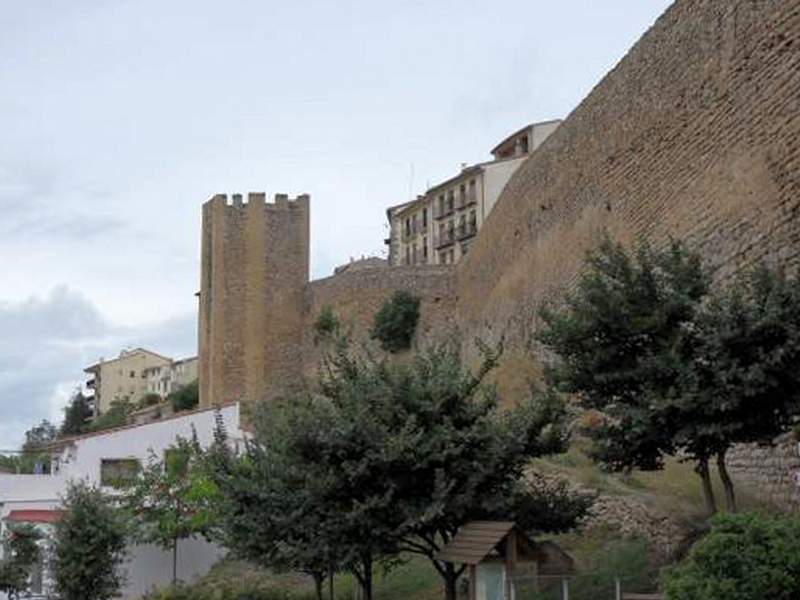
(34, 516)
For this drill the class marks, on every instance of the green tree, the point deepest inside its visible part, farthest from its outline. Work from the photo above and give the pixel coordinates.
(21, 553)
(618, 340)
(172, 499)
(742, 384)
(185, 397)
(76, 415)
(676, 368)
(442, 453)
(269, 513)
(744, 557)
(89, 545)
(396, 321)
(39, 436)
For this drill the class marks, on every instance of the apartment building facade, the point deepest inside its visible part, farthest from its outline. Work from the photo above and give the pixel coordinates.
(165, 379)
(438, 227)
(122, 377)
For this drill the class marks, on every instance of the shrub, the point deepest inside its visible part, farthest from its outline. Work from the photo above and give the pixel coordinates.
(21, 553)
(186, 397)
(148, 400)
(88, 546)
(396, 321)
(234, 580)
(744, 557)
(116, 416)
(326, 325)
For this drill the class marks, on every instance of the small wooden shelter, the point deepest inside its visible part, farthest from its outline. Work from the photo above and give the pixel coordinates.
(497, 552)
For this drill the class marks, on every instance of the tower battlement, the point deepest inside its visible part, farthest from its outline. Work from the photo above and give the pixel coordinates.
(254, 266)
(257, 199)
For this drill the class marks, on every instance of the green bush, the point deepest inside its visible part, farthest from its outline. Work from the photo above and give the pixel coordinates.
(234, 580)
(396, 321)
(326, 325)
(186, 397)
(744, 557)
(116, 416)
(148, 400)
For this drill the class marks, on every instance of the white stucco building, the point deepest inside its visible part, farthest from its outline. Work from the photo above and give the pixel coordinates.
(36, 498)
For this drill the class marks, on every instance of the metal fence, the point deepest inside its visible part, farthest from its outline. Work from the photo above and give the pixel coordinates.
(577, 587)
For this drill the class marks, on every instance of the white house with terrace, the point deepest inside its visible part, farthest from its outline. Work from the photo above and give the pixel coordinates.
(100, 458)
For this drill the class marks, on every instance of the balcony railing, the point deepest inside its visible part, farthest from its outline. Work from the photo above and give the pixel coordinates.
(440, 212)
(466, 200)
(445, 238)
(466, 230)
(91, 383)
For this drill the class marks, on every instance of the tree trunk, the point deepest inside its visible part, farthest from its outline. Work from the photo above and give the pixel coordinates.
(366, 584)
(450, 582)
(708, 491)
(319, 579)
(727, 483)
(174, 561)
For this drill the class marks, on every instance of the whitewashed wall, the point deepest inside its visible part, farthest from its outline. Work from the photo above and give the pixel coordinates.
(147, 565)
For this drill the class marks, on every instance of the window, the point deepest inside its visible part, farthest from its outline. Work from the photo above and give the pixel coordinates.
(414, 254)
(450, 201)
(425, 249)
(408, 226)
(441, 204)
(133, 374)
(472, 197)
(451, 256)
(118, 472)
(408, 255)
(462, 194)
(424, 218)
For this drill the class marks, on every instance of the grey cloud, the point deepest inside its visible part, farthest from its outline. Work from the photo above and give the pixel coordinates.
(46, 342)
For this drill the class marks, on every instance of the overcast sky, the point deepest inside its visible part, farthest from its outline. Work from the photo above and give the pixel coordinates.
(120, 118)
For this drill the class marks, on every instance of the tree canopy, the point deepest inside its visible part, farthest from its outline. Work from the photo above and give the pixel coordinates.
(89, 545)
(675, 366)
(392, 458)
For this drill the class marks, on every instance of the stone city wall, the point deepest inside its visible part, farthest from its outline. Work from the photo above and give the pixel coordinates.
(356, 296)
(694, 134)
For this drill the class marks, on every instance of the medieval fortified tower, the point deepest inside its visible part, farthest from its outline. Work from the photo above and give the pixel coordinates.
(694, 134)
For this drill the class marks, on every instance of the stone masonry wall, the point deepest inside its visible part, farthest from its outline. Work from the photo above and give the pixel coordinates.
(355, 297)
(769, 471)
(254, 267)
(694, 134)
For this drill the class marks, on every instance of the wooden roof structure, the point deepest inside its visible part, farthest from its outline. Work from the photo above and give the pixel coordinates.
(475, 541)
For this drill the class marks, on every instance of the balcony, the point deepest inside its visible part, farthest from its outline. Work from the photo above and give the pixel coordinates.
(467, 200)
(440, 212)
(466, 230)
(91, 383)
(445, 238)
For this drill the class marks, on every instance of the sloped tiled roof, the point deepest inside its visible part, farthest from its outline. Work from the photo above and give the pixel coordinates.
(474, 541)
